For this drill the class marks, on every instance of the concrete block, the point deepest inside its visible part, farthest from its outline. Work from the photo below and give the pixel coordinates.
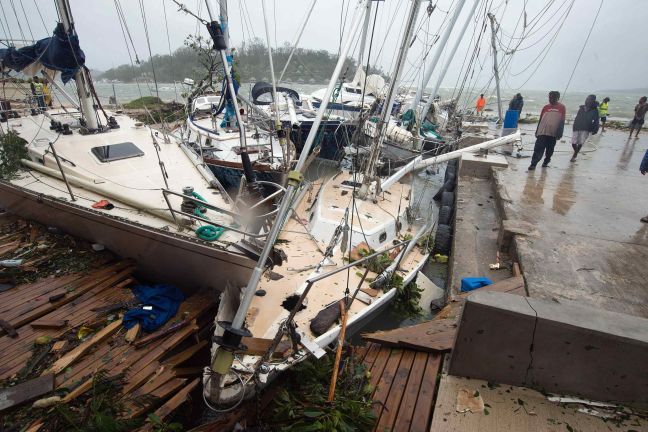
(511, 227)
(562, 348)
(473, 165)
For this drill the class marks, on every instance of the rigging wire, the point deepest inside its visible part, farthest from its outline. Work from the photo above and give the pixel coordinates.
(26, 20)
(13, 7)
(148, 43)
(41, 17)
(124, 29)
(7, 21)
(583, 48)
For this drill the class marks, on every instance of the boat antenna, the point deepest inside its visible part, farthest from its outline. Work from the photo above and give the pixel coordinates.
(233, 334)
(82, 77)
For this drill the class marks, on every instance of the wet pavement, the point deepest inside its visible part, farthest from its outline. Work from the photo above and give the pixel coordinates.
(591, 245)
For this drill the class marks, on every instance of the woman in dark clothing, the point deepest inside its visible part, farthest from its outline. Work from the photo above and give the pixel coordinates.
(516, 103)
(585, 123)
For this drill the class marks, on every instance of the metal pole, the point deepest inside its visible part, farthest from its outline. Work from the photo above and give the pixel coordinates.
(81, 77)
(389, 99)
(495, 69)
(58, 162)
(437, 55)
(363, 38)
(450, 58)
(297, 39)
(230, 86)
(277, 123)
(294, 180)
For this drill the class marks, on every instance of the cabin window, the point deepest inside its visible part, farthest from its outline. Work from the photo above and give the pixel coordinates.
(115, 152)
(207, 142)
(383, 237)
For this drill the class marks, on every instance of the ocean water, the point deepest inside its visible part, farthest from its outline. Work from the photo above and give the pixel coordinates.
(621, 104)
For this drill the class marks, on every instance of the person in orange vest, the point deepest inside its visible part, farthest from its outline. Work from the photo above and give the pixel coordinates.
(481, 103)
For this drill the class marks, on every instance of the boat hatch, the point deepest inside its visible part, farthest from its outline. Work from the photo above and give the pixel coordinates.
(251, 149)
(351, 184)
(115, 152)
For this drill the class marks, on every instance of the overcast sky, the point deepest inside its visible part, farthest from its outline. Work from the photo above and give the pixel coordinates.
(615, 56)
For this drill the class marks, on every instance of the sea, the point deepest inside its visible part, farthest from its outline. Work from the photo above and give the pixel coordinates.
(621, 105)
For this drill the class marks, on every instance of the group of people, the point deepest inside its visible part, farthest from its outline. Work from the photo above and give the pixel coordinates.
(589, 117)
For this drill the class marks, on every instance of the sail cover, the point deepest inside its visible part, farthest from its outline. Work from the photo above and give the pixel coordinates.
(262, 93)
(61, 52)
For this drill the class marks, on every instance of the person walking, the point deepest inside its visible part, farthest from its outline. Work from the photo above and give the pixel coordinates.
(550, 128)
(643, 168)
(585, 123)
(481, 103)
(603, 112)
(640, 113)
(516, 103)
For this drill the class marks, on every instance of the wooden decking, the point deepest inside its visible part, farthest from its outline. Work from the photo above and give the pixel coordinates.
(404, 387)
(43, 322)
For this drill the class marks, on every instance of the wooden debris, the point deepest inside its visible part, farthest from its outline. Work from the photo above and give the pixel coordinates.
(77, 352)
(160, 333)
(24, 392)
(8, 328)
(177, 400)
(59, 346)
(185, 355)
(430, 336)
(49, 323)
(259, 346)
(132, 333)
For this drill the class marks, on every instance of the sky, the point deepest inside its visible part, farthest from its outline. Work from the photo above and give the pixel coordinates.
(614, 57)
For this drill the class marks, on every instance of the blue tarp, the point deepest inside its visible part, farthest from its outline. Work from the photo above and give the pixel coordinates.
(471, 283)
(164, 300)
(60, 52)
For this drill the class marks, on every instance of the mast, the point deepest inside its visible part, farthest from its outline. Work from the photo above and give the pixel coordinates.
(363, 38)
(450, 58)
(437, 55)
(388, 102)
(281, 134)
(491, 17)
(224, 19)
(81, 78)
(223, 358)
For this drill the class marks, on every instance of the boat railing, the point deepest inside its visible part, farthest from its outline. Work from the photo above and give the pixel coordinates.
(235, 216)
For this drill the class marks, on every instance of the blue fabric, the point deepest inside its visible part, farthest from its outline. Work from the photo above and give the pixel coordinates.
(511, 119)
(471, 283)
(644, 163)
(165, 300)
(60, 52)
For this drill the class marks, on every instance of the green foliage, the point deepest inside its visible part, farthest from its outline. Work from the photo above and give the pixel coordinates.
(251, 63)
(407, 300)
(158, 425)
(302, 405)
(377, 264)
(101, 412)
(12, 150)
(146, 101)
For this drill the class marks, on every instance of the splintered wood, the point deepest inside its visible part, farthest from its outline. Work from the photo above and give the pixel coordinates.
(43, 350)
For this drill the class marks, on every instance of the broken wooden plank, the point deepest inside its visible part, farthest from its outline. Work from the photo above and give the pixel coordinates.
(8, 328)
(185, 355)
(132, 333)
(430, 336)
(49, 323)
(77, 352)
(188, 371)
(24, 392)
(259, 346)
(425, 401)
(160, 333)
(172, 404)
(58, 346)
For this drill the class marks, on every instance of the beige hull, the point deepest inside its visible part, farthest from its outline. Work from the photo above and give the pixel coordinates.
(160, 255)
